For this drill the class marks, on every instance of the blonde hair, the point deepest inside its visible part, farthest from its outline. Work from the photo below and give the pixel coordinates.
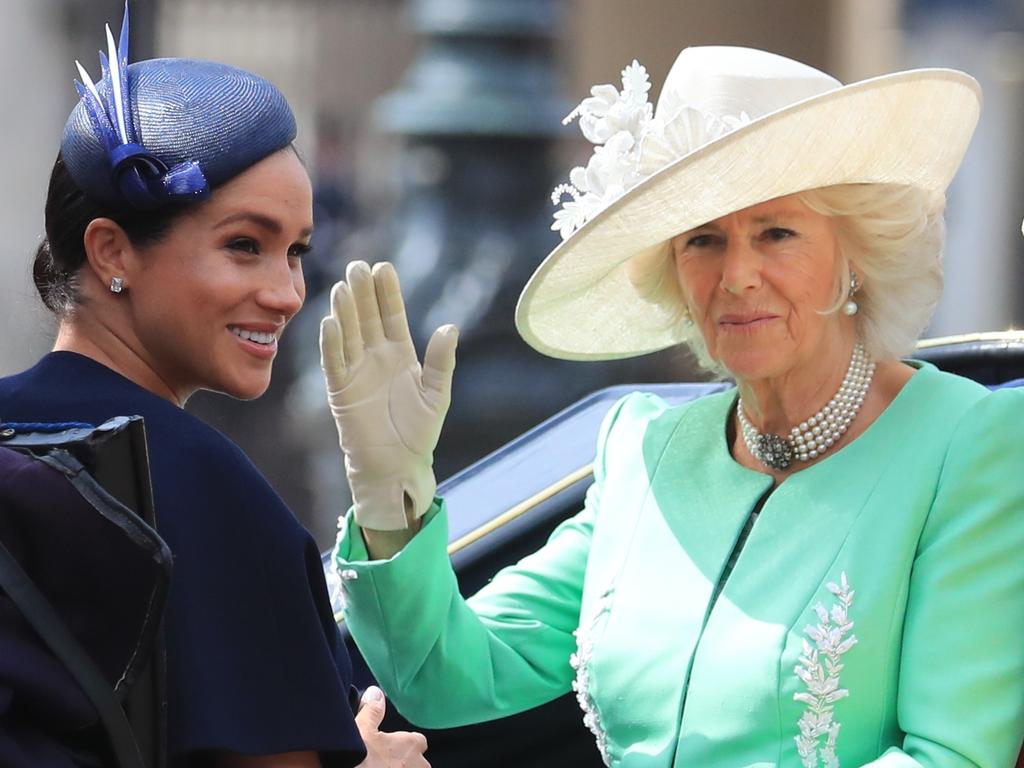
(893, 237)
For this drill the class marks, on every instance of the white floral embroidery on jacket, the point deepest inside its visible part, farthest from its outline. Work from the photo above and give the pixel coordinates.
(819, 668)
(580, 661)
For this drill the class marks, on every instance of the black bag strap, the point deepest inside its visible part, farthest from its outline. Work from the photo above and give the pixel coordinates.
(41, 615)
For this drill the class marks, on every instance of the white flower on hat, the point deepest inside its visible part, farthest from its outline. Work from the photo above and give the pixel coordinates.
(608, 112)
(665, 141)
(631, 144)
(614, 121)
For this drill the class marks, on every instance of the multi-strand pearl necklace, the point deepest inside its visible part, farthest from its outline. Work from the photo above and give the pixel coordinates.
(813, 437)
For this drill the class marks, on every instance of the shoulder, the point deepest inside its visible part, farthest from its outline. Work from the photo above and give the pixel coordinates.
(979, 500)
(195, 442)
(640, 410)
(198, 466)
(950, 385)
(948, 406)
(981, 455)
(16, 384)
(642, 421)
(65, 386)
(929, 407)
(992, 425)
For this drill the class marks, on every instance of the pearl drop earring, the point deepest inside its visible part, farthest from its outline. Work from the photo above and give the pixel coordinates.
(851, 307)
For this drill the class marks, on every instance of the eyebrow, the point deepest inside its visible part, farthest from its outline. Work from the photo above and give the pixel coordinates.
(261, 220)
(786, 213)
(767, 218)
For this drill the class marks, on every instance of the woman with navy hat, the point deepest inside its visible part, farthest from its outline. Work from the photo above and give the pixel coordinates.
(177, 217)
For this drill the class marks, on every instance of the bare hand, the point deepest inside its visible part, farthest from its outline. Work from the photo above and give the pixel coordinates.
(400, 749)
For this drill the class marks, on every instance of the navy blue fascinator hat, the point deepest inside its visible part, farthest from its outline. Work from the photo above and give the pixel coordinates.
(167, 131)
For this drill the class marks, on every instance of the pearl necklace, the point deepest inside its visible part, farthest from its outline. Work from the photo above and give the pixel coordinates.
(813, 437)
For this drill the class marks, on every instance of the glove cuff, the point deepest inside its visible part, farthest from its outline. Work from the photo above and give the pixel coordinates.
(380, 505)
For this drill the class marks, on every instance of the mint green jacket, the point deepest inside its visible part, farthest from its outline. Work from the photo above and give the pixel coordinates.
(875, 615)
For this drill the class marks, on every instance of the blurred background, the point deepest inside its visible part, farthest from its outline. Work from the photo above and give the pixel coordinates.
(432, 131)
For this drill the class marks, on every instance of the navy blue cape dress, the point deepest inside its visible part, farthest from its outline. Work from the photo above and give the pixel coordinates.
(255, 662)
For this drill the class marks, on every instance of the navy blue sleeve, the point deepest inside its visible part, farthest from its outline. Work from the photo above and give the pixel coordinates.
(255, 661)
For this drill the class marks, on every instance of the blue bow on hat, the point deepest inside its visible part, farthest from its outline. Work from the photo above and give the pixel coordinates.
(168, 130)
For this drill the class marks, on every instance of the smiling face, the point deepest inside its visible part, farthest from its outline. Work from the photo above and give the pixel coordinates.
(755, 283)
(209, 301)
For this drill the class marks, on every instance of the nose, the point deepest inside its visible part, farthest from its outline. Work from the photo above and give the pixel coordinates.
(741, 266)
(284, 289)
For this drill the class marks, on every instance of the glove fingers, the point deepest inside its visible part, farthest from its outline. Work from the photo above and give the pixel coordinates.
(360, 280)
(389, 299)
(343, 310)
(439, 361)
(332, 356)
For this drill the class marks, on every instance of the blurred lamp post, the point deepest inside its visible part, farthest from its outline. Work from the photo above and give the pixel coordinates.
(479, 110)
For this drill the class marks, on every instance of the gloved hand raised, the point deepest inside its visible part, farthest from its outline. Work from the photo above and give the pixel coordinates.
(388, 409)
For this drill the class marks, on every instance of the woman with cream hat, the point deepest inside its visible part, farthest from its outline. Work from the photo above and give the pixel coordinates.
(818, 567)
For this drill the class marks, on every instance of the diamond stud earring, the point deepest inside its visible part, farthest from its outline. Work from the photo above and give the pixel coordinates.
(116, 284)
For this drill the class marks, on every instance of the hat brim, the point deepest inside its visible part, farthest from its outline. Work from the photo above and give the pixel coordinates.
(909, 128)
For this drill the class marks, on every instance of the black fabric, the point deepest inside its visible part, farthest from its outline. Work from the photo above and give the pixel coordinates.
(109, 467)
(55, 529)
(56, 579)
(255, 660)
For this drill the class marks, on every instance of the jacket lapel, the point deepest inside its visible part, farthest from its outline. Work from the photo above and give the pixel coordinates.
(687, 526)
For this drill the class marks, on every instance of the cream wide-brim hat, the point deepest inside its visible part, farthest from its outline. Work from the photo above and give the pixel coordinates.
(784, 128)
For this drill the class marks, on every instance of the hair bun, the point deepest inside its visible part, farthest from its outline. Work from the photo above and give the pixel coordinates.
(47, 278)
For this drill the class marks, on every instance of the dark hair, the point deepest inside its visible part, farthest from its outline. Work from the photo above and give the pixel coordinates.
(62, 252)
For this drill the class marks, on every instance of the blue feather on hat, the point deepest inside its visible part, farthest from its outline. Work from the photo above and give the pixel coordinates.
(167, 131)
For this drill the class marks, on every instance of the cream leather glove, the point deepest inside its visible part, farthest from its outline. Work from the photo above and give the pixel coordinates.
(388, 409)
